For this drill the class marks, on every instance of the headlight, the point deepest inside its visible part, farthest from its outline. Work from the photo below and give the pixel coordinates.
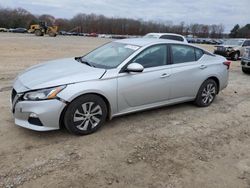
(43, 94)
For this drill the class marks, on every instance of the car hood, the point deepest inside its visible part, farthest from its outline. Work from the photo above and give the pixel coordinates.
(58, 72)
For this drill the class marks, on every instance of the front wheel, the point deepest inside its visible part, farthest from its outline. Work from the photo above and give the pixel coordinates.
(85, 114)
(38, 32)
(52, 34)
(235, 56)
(206, 93)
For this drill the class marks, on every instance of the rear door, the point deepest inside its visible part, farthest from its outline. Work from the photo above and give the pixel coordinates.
(186, 71)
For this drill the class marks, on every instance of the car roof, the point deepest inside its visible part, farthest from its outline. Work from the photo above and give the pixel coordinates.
(151, 41)
(160, 34)
(146, 41)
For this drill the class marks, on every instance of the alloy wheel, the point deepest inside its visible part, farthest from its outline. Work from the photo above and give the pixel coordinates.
(208, 93)
(87, 116)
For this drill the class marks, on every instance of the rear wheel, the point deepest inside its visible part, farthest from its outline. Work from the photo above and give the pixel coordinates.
(85, 115)
(38, 32)
(246, 70)
(206, 93)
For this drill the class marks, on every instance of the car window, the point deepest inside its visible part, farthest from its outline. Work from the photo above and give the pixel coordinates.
(110, 55)
(153, 56)
(246, 43)
(198, 53)
(172, 37)
(182, 53)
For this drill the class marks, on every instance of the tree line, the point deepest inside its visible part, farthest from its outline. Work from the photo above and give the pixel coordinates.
(240, 32)
(92, 23)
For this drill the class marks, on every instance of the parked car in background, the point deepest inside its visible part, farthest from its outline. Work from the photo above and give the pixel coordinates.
(232, 48)
(82, 34)
(3, 29)
(170, 36)
(245, 61)
(104, 36)
(190, 40)
(218, 41)
(10, 29)
(92, 35)
(117, 78)
(62, 32)
(19, 30)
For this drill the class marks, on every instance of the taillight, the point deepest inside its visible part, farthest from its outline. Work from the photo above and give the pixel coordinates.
(227, 63)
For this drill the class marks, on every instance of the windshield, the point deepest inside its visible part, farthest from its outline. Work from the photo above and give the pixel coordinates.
(233, 42)
(109, 55)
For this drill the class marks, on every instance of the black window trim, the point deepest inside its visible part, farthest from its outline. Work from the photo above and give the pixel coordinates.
(123, 69)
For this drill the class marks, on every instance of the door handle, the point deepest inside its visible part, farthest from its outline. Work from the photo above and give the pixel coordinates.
(164, 75)
(203, 66)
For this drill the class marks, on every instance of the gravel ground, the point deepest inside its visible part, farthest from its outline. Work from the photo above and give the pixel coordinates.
(171, 147)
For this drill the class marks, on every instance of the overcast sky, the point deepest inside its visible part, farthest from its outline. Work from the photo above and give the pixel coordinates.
(227, 12)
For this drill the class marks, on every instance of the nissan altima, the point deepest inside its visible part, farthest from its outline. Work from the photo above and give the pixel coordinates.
(117, 78)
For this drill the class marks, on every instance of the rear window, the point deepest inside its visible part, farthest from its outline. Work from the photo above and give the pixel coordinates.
(172, 37)
(182, 53)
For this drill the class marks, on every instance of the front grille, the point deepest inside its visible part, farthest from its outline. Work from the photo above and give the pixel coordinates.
(248, 64)
(13, 95)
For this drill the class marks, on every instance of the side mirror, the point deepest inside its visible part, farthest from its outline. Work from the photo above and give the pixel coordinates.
(135, 67)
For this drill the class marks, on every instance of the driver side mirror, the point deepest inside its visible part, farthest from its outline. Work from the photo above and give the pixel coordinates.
(134, 67)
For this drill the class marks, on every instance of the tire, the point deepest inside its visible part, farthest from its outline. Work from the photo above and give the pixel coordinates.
(52, 34)
(206, 93)
(78, 119)
(235, 56)
(38, 32)
(245, 70)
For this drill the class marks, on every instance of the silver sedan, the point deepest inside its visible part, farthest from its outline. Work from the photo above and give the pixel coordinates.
(117, 78)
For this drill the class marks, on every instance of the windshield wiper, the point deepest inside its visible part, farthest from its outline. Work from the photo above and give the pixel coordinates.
(85, 62)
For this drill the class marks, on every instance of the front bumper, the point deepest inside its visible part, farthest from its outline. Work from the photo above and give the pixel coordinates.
(245, 63)
(48, 113)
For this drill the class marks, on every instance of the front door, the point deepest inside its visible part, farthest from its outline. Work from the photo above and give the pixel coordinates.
(147, 87)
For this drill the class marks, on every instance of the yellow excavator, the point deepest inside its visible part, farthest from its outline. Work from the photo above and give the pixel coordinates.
(42, 29)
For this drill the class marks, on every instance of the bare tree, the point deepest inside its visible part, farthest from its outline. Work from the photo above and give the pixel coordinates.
(88, 23)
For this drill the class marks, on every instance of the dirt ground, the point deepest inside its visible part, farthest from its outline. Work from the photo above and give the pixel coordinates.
(171, 147)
